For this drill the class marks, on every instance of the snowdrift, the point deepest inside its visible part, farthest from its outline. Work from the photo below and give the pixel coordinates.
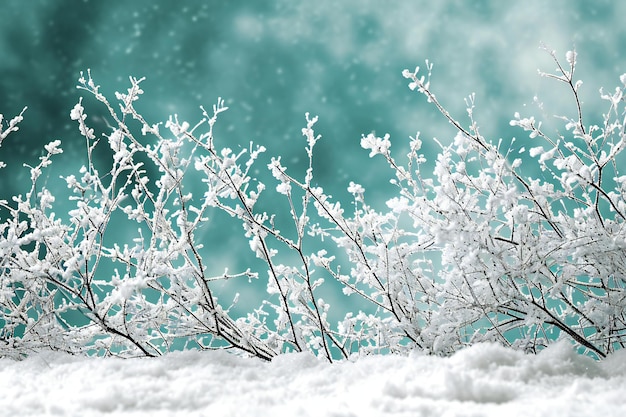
(482, 380)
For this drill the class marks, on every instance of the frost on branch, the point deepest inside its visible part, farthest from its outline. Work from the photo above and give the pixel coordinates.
(8, 127)
(478, 248)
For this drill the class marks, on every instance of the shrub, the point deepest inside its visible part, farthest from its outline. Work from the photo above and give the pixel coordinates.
(480, 249)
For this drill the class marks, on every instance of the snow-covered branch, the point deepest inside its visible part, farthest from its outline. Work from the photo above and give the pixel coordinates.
(480, 249)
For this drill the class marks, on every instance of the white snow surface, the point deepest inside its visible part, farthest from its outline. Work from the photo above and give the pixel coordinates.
(482, 380)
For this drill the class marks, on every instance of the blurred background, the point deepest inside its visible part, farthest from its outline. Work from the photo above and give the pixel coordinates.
(272, 61)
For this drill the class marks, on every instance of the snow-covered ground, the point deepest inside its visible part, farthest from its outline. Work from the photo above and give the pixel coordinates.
(483, 380)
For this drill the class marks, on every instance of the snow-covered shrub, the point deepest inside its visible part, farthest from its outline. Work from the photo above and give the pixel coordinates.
(480, 249)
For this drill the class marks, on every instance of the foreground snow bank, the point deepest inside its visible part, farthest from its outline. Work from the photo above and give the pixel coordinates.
(483, 380)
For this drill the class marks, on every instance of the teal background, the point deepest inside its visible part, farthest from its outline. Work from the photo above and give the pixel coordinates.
(272, 61)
